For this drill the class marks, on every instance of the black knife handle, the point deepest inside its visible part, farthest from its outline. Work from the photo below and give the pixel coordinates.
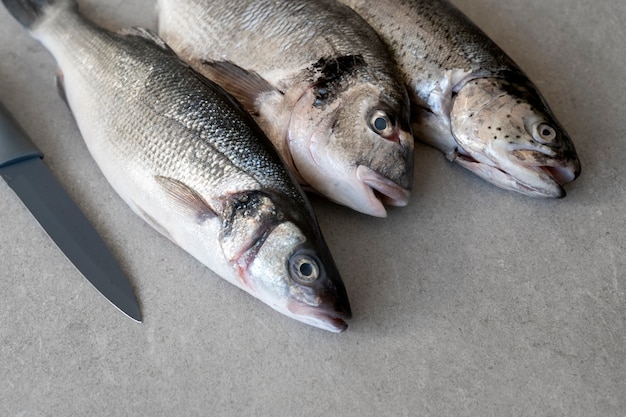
(15, 145)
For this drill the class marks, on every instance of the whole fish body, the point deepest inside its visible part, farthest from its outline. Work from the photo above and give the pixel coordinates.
(470, 100)
(188, 160)
(318, 80)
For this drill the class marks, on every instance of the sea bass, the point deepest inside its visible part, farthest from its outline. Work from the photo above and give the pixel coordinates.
(191, 162)
(317, 79)
(470, 100)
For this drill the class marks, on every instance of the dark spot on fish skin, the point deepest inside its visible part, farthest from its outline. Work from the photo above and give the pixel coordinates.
(506, 136)
(328, 73)
(499, 129)
(256, 206)
(321, 97)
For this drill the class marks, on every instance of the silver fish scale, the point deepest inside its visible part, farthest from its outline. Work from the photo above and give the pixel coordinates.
(187, 129)
(308, 28)
(190, 162)
(208, 125)
(440, 51)
(441, 39)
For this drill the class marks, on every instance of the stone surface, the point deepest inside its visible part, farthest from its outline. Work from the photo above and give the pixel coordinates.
(470, 301)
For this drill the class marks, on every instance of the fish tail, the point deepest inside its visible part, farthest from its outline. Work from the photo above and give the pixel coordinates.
(30, 12)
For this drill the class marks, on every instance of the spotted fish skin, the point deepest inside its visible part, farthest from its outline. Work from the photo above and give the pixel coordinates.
(440, 51)
(320, 83)
(189, 160)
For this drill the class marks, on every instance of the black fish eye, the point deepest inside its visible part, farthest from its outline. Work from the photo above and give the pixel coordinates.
(306, 269)
(545, 133)
(303, 269)
(381, 123)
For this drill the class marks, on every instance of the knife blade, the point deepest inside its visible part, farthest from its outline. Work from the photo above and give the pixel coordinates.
(22, 168)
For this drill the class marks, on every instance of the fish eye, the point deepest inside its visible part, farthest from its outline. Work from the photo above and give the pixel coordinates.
(303, 269)
(381, 123)
(545, 133)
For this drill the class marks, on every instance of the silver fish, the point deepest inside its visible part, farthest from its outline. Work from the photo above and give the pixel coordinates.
(189, 161)
(320, 83)
(470, 100)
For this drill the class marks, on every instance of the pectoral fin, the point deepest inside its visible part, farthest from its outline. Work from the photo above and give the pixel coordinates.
(60, 83)
(186, 200)
(246, 86)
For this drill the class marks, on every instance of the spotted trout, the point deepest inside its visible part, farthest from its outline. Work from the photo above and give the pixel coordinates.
(470, 100)
(317, 79)
(190, 161)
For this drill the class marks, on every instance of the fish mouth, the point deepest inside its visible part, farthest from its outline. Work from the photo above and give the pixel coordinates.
(323, 318)
(381, 191)
(560, 170)
(529, 172)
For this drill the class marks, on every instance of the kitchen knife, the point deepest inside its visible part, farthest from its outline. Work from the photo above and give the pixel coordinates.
(22, 168)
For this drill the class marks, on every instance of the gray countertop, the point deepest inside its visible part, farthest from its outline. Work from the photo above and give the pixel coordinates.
(470, 301)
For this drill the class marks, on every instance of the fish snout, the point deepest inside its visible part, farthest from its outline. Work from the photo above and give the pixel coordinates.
(391, 184)
(331, 314)
(389, 192)
(328, 310)
(562, 169)
(563, 174)
(333, 297)
(336, 304)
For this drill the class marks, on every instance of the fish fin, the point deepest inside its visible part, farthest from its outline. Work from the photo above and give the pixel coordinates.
(60, 83)
(146, 34)
(246, 86)
(186, 199)
(29, 12)
(152, 222)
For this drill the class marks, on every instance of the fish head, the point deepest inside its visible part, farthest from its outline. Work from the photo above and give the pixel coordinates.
(299, 279)
(507, 135)
(287, 265)
(354, 146)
